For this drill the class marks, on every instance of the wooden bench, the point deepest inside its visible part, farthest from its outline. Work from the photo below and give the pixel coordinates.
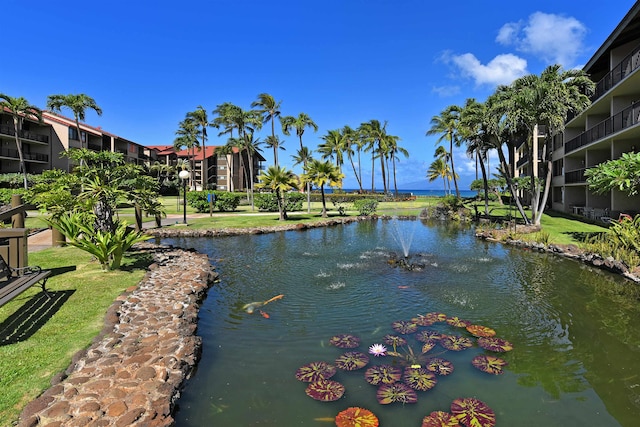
(14, 281)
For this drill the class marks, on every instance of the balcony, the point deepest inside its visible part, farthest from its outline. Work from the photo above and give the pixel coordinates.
(8, 130)
(575, 177)
(622, 120)
(627, 66)
(523, 160)
(12, 153)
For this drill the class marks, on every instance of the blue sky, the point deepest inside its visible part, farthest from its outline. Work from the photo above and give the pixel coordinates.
(343, 62)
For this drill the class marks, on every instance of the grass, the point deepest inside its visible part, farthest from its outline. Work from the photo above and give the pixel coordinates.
(27, 366)
(85, 293)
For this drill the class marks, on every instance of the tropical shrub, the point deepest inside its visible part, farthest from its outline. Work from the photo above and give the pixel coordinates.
(224, 201)
(227, 202)
(198, 200)
(621, 242)
(366, 207)
(108, 247)
(268, 202)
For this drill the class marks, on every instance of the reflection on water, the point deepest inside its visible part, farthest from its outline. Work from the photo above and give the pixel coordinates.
(576, 360)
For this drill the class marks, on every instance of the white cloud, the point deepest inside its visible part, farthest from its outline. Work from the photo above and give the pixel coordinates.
(502, 69)
(553, 38)
(446, 91)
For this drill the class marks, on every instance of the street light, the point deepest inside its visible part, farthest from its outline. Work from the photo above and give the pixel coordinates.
(184, 175)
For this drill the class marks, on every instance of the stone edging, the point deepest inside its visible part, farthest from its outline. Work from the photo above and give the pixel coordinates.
(133, 372)
(572, 252)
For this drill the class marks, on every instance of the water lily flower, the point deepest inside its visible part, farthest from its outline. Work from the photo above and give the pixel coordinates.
(378, 350)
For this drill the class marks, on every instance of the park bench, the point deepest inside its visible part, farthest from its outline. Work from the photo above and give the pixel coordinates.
(14, 281)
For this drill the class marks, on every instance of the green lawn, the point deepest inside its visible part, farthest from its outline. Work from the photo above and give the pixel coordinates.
(27, 366)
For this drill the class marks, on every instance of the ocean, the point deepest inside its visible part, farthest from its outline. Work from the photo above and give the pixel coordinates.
(421, 193)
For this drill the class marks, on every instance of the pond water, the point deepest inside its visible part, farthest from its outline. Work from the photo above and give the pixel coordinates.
(574, 329)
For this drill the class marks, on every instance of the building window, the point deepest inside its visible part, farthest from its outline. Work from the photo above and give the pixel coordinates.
(73, 134)
(221, 167)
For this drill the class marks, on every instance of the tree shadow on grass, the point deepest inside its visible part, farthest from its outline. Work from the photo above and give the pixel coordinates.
(582, 236)
(33, 314)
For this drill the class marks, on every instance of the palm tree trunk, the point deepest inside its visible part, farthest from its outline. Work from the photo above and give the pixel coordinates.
(453, 169)
(360, 171)
(395, 181)
(16, 126)
(512, 188)
(324, 203)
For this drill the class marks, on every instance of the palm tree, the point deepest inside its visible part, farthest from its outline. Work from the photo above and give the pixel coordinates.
(376, 135)
(19, 108)
(473, 130)
(188, 139)
(351, 138)
(439, 168)
(226, 114)
(279, 180)
(394, 150)
(269, 109)
(446, 124)
(273, 141)
(332, 147)
(302, 157)
(299, 123)
(543, 100)
(250, 146)
(225, 151)
(321, 173)
(78, 104)
(201, 121)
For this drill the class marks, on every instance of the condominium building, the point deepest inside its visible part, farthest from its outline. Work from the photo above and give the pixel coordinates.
(44, 142)
(606, 130)
(211, 168)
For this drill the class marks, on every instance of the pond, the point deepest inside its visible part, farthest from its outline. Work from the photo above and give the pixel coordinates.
(574, 329)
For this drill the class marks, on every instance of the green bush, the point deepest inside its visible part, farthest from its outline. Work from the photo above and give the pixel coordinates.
(366, 207)
(224, 201)
(227, 202)
(267, 202)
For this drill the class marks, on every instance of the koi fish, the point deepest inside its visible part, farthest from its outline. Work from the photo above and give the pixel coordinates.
(251, 307)
(326, 419)
(403, 287)
(263, 314)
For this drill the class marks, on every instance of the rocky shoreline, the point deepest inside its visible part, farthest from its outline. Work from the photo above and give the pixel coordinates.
(133, 372)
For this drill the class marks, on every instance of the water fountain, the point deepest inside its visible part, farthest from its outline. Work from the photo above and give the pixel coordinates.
(404, 237)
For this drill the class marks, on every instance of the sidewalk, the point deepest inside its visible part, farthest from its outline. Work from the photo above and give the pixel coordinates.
(43, 239)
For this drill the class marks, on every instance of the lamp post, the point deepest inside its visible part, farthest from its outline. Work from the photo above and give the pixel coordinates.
(184, 175)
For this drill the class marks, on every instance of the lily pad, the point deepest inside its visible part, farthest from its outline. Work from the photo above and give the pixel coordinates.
(495, 344)
(457, 322)
(325, 390)
(404, 327)
(456, 343)
(440, 419)
(428, 346)
(481, 331)
(396, 393)
(436, 317)
(344, 341)
(428, 335)
(422, 320)
(394, 340)
(489, 364)
(352, 360)
(356, 417)
(419, 379)
(472, 412)
(315, 371)
(383, 374)
(439, 366)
